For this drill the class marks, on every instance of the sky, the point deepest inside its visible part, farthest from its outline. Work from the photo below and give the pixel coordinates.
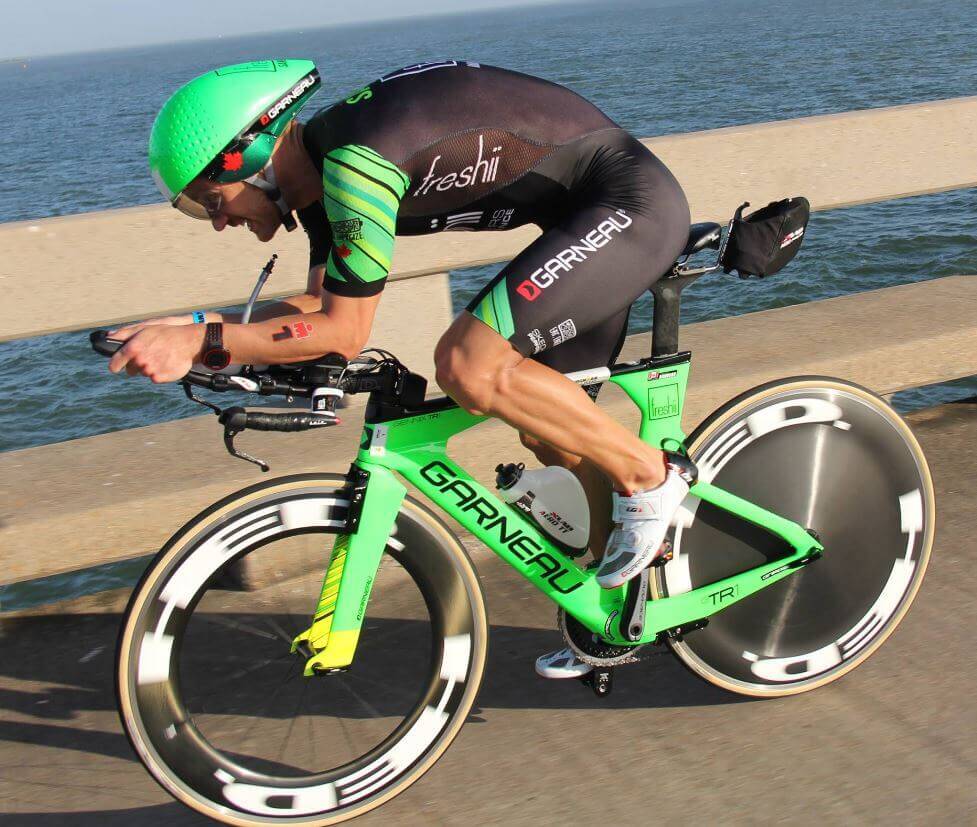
(44, 27)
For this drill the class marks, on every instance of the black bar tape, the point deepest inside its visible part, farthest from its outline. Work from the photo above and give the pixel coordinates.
(102, 344)
(286, 421)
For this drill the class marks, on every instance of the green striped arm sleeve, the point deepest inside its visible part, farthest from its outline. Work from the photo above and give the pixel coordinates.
(361, 191)
(495, 311)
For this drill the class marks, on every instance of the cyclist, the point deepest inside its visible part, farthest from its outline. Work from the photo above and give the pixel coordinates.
(441, 146)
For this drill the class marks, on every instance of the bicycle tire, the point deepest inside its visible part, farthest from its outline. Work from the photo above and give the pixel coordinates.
(151, 683)
(838, 459)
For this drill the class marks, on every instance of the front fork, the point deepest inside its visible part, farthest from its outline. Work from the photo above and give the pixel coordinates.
(352, 570)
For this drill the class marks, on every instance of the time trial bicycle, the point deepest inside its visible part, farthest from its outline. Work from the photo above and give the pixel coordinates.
(306, 699)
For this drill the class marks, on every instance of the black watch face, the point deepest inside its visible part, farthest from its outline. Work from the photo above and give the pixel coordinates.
(217, 358)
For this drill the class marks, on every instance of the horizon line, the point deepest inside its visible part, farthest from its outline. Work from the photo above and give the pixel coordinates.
(21, 58)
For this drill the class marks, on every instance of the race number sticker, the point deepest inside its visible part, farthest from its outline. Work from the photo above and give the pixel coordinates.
(378, 445)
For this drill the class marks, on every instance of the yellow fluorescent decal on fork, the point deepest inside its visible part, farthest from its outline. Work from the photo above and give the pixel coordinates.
(330, 586)
(338, 652)
(318, 635)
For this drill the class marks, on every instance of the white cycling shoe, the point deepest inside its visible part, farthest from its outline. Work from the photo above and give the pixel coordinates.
(561, 664)
(643, 519)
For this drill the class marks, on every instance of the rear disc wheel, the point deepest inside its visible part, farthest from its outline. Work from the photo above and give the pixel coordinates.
(836, 459)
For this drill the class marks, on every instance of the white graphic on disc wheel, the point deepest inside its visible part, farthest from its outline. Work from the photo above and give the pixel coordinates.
(787, 413)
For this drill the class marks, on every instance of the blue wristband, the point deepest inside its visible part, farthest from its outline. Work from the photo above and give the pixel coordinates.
(199, 317)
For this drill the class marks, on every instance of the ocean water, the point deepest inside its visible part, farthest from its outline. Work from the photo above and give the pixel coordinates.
(77, 125)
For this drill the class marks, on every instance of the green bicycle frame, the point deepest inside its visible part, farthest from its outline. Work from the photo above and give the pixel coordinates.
(415, 447)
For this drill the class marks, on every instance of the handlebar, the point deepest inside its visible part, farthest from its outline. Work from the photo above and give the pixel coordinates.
(103, 344)
(238, 419)
(301, 379)
(324, 381)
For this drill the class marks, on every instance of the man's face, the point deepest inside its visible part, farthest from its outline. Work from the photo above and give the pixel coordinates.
(238, 204)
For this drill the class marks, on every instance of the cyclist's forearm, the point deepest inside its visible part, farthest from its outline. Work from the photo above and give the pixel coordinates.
(291, 306)
(292, 339)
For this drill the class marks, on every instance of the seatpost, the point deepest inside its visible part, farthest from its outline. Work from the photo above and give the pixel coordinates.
(668, 289)
(668, 300)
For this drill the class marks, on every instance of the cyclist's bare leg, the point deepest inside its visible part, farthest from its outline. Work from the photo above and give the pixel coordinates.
(595, 485)
(484, 373)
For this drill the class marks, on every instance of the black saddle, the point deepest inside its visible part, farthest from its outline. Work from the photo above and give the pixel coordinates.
(703, 235)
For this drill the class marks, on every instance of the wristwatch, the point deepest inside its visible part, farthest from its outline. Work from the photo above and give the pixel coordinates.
(216, 356)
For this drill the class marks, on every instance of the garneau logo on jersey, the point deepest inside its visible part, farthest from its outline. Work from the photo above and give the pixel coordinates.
(533, 287)
(483, 171)
(293, 95)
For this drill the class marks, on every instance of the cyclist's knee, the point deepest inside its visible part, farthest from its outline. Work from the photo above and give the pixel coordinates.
(472, 375)
(462, 378)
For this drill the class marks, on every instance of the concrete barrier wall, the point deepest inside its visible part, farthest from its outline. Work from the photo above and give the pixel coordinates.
(100, 268)
(120, 495)
(67, 506)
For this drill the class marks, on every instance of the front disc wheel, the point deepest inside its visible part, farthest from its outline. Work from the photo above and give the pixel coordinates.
(215, 702)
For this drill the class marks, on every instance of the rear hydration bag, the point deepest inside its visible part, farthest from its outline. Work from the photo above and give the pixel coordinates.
(765, 241)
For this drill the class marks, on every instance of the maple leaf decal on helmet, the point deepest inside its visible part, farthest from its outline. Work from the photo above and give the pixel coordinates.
(233, 161)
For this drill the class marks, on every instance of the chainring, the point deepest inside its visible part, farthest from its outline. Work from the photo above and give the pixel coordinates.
(594, 652)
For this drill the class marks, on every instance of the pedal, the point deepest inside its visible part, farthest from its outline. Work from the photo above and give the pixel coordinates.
(665, 552)
(600, 679)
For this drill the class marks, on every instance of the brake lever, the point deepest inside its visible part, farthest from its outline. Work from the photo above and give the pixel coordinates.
(234, 421)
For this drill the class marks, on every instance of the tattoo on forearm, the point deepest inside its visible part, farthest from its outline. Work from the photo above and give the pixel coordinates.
(298, 330)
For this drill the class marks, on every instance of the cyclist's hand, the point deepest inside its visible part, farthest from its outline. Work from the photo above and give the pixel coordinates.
(162, 353)
(130, 329)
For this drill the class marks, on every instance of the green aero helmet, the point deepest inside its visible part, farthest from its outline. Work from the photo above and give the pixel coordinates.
(223, 125)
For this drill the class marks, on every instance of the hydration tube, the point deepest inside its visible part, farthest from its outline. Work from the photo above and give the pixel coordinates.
(262, 278)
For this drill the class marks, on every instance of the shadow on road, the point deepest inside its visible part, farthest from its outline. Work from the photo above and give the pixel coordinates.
(57, 698)
(62, 670)
(69, 661)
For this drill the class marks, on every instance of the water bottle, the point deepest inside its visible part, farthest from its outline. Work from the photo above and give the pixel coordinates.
(553, 497)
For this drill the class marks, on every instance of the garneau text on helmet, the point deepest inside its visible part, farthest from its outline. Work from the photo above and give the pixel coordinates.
(289, 98)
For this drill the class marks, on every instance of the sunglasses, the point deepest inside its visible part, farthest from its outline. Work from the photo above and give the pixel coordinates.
(206, 206)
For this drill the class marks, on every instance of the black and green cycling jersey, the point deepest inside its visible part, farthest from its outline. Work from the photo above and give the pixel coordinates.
(460, 146)
(438, 146)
